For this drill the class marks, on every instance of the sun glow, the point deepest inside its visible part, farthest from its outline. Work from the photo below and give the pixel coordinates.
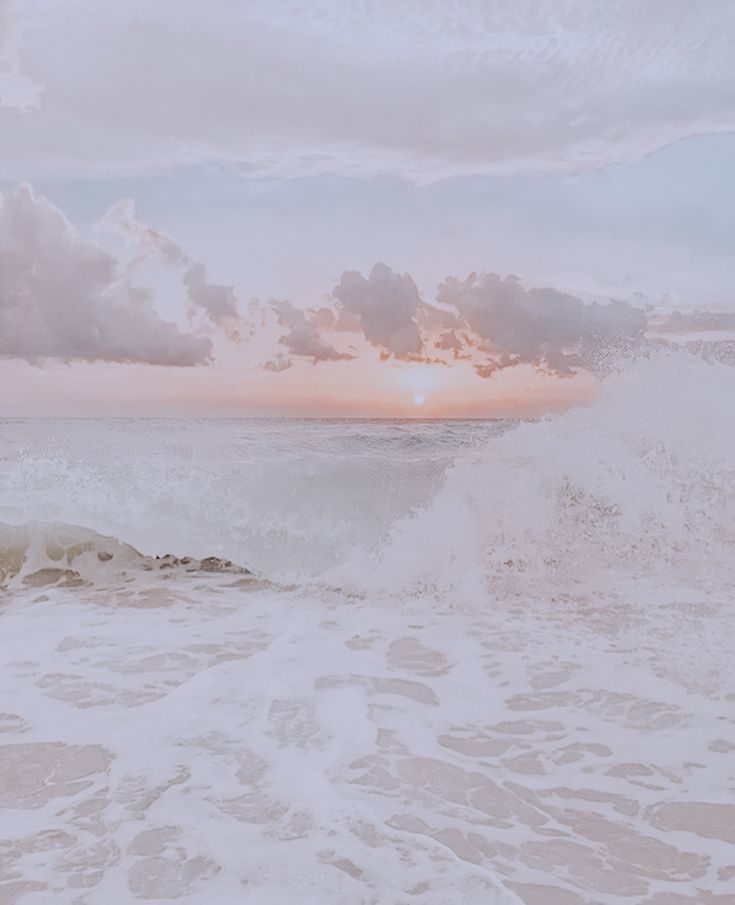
(419, 381)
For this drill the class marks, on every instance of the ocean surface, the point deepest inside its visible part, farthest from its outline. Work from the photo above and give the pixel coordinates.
(374, 662)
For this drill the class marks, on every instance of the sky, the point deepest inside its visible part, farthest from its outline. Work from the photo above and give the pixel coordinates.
(420, 208)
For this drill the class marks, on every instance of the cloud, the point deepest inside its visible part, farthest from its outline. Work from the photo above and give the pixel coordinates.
(722, 351)
(278, 364)
(424, 89)
(64, 298)
(452, 341)
(386, 306)
(493, 322)
(150, 242)
(697, 322)
(303, 333)
(217, 302)
(543, 327)
(18, 92)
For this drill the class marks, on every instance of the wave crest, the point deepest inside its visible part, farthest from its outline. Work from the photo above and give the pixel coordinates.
(638, 485)
(39, 554)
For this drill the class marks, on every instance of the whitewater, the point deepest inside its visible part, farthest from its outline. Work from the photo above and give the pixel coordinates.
(272, 661)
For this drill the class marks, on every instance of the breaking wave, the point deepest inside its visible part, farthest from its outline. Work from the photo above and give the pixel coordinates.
(638, 485)
(39, 554)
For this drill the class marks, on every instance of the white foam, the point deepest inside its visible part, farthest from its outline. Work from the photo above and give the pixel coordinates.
(503, 672)
(188, 736)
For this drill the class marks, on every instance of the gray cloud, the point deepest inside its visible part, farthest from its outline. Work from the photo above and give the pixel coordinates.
(696, 322)
(278, 364)
(453, 341)
(217, 302)
(386, 306)
(303, 336)
(64, 298)
(722, 350)
(542, 327)
(494, 322)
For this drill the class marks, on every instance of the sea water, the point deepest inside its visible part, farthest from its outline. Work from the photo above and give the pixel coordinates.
(433, 662)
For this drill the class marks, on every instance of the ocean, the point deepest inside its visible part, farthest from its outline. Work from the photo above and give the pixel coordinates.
(278, 661)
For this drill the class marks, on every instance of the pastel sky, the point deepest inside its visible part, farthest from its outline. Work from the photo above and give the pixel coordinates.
(414, 207)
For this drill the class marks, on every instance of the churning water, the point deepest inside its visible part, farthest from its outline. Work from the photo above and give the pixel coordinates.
(383, 661)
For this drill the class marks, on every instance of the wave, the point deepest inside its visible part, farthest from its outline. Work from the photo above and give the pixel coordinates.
(39, 554)
(639, 485)
(289, 499)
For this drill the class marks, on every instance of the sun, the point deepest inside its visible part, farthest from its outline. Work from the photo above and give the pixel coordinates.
(418, 383)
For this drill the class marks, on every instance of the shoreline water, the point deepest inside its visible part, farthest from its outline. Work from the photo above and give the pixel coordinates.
(464, 663)
(197, 736)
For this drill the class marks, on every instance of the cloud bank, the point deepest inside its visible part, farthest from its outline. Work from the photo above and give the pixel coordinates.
(425, 89)
(495, 322)
(66, 299)
(543, 327)
(702, 321)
